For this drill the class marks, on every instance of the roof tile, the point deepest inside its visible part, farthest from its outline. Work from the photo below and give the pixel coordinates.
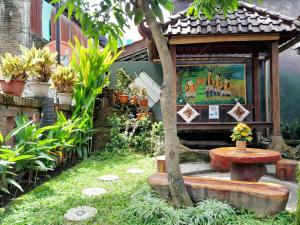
(248, 18)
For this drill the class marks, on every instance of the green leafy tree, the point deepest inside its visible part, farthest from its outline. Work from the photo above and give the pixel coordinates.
(109, 18)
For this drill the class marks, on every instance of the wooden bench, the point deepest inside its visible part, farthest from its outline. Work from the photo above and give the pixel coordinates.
(263, 198)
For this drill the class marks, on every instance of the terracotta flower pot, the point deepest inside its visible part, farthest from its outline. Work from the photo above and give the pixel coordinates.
(241, 145)
(39, 89)
(14, 87)
(124, 99)
(140, 116)
(144, 102)
(65, 98)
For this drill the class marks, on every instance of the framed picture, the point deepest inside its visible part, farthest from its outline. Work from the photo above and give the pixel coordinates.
(213, 112)
(211, 84)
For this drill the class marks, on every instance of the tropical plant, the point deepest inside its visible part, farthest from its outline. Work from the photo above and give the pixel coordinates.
(64, 79)
(91, 65)
(129, 134)
(123, 81)
(241, 132)
(43, 61)
(14, 67)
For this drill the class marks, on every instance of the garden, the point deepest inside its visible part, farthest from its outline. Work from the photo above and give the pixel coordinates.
(52, 174)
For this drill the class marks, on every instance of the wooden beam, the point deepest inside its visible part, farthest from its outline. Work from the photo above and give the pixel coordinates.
(275, 88)
(196, 39)
(285, 46)
(256, 84)
(198, 126)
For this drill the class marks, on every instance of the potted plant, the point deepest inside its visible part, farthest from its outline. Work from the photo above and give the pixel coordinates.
(241, 134)
(14, 72)
(44, 62)
(123, 82)
(134, 99)
(64, 80)
(143, 100)
(142, 113)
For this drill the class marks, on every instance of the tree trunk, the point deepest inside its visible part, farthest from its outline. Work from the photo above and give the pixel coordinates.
(180, 196)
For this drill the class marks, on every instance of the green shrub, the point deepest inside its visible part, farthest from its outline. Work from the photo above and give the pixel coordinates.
(210, 211)
(147, 208)
(129, 134)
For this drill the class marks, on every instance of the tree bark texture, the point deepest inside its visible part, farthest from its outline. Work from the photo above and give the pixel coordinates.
(180, 196)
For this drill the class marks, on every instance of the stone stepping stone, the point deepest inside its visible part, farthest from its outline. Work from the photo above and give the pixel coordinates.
(109, 178)
(135, 171)
(80, 213)
(94, 191)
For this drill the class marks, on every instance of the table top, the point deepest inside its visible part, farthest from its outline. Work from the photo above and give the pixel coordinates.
(248, 156)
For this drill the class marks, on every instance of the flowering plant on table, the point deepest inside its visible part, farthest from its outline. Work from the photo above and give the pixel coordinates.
(242, 132)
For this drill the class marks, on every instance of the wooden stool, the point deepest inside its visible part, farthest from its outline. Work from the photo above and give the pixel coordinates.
(287, 169)
(161, 164)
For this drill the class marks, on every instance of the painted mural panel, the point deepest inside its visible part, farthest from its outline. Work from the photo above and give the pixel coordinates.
(211, 84)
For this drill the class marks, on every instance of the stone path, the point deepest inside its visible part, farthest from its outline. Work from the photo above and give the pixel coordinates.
(94, 191)
(109, 178)
(80, 213)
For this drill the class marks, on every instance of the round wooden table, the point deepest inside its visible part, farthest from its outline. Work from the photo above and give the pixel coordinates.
(247, 165)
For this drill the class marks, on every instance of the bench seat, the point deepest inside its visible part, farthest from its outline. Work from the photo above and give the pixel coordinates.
(262, 198)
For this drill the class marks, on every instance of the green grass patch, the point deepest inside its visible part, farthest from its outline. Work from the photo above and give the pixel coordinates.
(48, 203)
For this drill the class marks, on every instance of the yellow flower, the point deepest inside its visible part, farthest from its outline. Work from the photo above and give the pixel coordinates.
(244, 134)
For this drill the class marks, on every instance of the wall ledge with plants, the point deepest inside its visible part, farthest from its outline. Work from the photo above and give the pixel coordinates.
(10, 100)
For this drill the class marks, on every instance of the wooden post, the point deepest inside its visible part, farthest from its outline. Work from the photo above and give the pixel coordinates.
(275, 88)
(256, 84)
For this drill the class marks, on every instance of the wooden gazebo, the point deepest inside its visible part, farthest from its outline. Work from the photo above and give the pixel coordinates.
(252, 36)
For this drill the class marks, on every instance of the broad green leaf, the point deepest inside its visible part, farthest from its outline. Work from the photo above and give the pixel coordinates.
(13, 182)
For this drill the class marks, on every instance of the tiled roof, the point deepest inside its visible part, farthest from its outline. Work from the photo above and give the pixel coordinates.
(247, 19)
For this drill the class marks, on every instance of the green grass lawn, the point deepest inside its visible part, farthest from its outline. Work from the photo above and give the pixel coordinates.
(48, 203)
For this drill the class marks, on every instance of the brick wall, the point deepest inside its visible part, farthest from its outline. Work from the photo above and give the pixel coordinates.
(12, 106)
(14, 25)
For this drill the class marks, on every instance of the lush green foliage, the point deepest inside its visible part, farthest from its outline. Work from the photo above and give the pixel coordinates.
(123, 81)
(40, 149)
(92, 66)
(147, 208)
(129, 134)
(108, 18)
(291, 130)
